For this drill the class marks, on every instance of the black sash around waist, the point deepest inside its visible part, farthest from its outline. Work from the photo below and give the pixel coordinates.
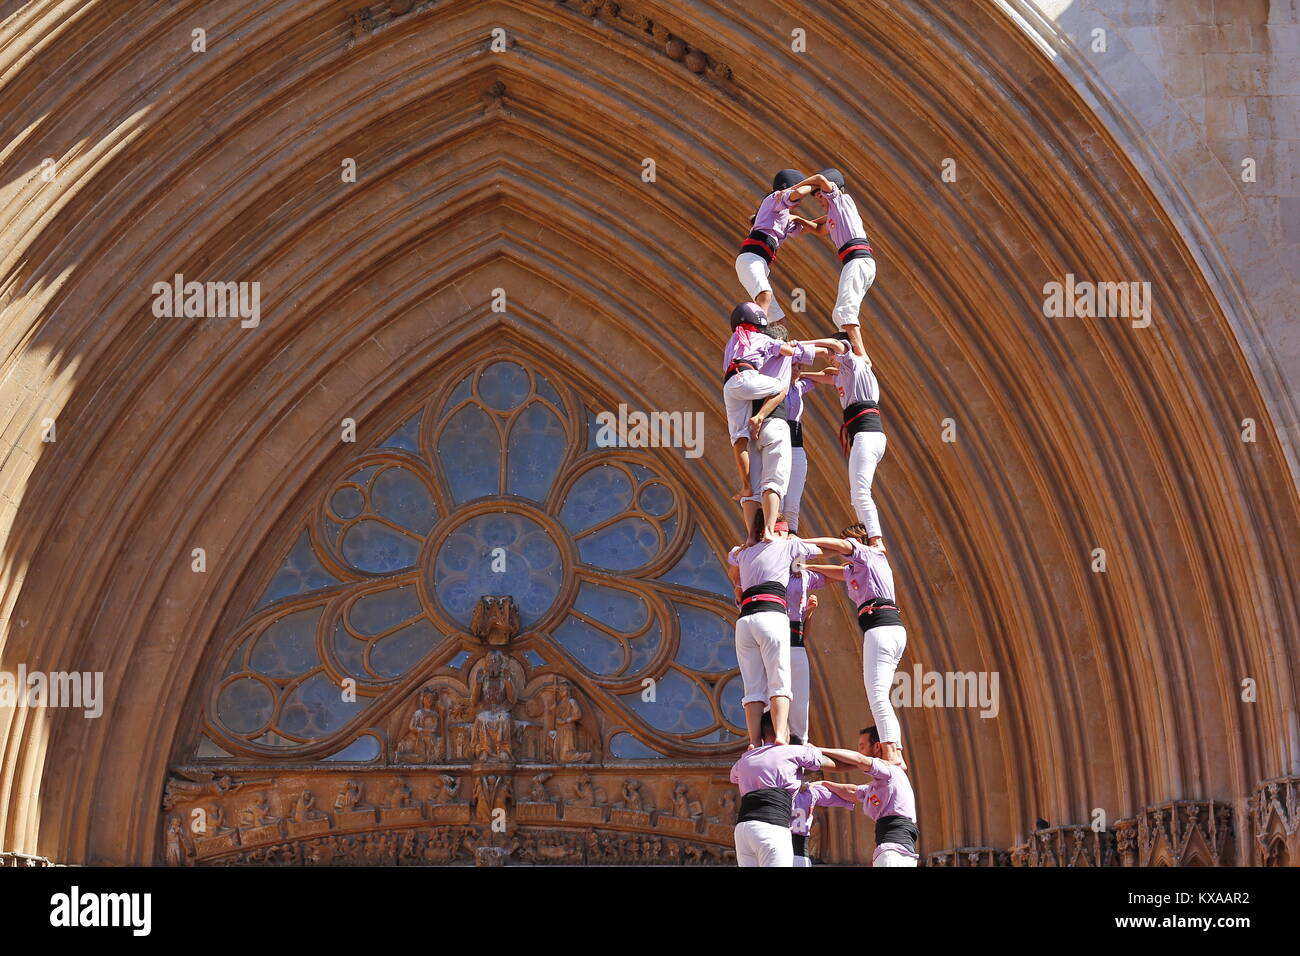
(768, 596)
(760, 244)
(877, 613)
(767, 805)
(862, 417)
(859, 248)
(796, 633)
(800, 841)
(735, 368)
(778, 412)
(897, 829)
(796, 434)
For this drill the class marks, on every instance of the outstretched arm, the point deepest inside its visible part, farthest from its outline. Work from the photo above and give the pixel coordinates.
(846, 759)
(818, 182)
(824, 377)
(845, 791)
(838, 545)
(833, 571)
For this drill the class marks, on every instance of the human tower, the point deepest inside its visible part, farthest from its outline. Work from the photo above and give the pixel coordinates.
(766, 374)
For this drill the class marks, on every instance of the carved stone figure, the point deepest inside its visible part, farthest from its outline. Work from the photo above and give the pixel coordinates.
(537, 789)
(175, 849)
(492, 697)
(401, 795)
(304, 808)
(422, 742)
(349, 798)
(566, 731)
(496, 617)
(683, 805)
(257, 814)
(632, 798)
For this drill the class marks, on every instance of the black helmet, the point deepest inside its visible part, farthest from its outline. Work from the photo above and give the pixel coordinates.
(786, 178)
(748, 312)
(835, 176)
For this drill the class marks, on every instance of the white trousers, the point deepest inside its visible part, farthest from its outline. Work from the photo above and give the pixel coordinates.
(882, 649)
(864, 456)
(855, 279)
(739, 394)
(802, 861)
(794, 494)
(763, 650)
(799, 692)
(893, 858)
(770, 460)
(763, 844)
(755, 275)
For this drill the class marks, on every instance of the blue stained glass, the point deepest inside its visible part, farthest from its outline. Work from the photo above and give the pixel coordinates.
(700, 568)
(407, 436)
(245, 705)
(535, 659)
(545, 390)
(288, 646)
(622, 546)
(272, 739)
(470, 453)
(597, 496)
(627, 747)
(656, 499)
(642, 649)
(350, 652)
(208, 750)
(730, 701)
(379, 611)
(402, 498)
(316, 707)
(396, 654)
(457, 662)
(362, 750)
(536, 449)
(642, 473)
(719, 736)
(461, 393)
(348, 502)
(593, 649)
(679, 707)
(593, 430)
(299, 573)
(503, 385)
(621, 611)
(708, 643)
(377, 548)
(528, 566)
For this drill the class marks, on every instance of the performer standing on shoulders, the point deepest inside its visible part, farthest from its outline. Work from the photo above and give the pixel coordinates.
(870, 583)
(843, 224)
(773, 224)
(800, 605)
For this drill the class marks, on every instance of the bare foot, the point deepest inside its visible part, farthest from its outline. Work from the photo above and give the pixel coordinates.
(769, 534)
(782, 743)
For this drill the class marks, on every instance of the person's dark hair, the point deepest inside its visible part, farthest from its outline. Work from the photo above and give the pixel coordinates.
(778, 331)
(835, 176)
(765, 726)
(796, 740)
(872, 734)
(858, 531)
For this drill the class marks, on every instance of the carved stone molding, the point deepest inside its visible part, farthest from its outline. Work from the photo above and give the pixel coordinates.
(1275, 820)
(1176, 833)
(656, 35)
(23, 860)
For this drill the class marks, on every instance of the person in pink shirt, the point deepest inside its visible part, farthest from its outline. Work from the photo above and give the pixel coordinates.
(843, 224)
(760, 572)
(801, 603)
(888, 800)
(773, 223)
(768, 777)
(870, 584)
(806, 801)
